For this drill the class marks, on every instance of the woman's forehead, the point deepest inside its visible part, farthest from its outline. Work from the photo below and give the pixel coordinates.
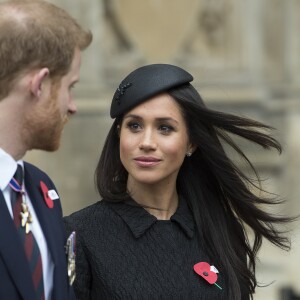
(162, 106)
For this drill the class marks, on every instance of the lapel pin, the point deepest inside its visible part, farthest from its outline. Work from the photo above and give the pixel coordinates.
(45, 192)
(208, 272)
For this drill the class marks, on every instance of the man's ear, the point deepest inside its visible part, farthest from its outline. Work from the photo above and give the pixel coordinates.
(37, 80)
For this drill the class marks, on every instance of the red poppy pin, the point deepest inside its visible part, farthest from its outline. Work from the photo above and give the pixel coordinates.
(45, 190)
(208, 272)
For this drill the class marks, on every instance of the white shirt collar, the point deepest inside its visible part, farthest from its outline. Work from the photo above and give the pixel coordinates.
(8, 167)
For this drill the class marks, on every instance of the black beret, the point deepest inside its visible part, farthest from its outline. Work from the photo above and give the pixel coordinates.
(144, 83)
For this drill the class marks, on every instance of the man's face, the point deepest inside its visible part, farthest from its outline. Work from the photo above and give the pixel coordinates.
(44, 124)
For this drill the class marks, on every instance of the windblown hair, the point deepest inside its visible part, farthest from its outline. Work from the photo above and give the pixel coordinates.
(36, 34)
(221, 197)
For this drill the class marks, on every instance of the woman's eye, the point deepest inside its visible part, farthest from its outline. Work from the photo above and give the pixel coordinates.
(166, 129)
(133, 126)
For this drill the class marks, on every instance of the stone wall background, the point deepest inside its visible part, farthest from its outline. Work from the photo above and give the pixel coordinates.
(245, 57)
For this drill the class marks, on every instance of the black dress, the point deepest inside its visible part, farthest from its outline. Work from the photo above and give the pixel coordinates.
(123, 252)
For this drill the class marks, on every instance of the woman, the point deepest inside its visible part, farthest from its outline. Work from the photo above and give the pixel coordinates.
(171, 224)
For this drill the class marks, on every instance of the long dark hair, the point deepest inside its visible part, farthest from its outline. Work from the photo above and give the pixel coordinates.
(222, 198)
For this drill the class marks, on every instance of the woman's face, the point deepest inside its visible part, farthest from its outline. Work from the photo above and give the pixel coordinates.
(154, 141)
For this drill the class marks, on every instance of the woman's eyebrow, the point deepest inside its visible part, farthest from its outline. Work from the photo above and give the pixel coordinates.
(161, 119)
(132, 116)
(168, 119)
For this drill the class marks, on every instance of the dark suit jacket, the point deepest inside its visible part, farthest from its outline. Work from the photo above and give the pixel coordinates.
(15, 276)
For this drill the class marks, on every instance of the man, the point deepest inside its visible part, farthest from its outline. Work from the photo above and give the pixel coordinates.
(40, 46)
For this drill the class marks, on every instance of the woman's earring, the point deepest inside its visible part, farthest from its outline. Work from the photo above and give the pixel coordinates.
(188, 154)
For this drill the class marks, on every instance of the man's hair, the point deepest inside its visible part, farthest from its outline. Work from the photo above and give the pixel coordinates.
(36, 34)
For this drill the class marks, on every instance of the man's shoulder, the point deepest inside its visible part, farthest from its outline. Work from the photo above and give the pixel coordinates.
(32, 169)
(34, 174)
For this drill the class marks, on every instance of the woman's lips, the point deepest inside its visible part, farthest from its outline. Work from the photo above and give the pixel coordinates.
(147, 161)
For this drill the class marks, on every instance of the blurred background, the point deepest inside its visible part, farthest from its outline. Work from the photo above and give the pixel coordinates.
(245, 58)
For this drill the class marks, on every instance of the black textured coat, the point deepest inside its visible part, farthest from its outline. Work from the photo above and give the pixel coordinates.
(123, 252)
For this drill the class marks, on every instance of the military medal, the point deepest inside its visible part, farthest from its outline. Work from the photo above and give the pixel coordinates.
(70, 251)
(25, 215)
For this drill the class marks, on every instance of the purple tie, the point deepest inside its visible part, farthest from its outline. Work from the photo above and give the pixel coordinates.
(31, 247)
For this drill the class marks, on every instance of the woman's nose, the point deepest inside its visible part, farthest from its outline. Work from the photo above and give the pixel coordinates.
(148, 141)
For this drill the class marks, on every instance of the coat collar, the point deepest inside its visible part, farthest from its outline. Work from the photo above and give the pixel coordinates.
(139, 220)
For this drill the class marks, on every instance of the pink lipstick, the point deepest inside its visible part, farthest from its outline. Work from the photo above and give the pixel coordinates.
(147, 161)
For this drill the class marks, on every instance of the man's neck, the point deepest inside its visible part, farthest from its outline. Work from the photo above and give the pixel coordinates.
(16, 152)
(10, 131)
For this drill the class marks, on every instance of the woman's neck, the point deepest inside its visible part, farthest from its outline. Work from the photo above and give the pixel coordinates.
(160, 201)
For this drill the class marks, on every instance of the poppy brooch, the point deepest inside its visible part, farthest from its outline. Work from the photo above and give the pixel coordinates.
(207, 272)
(49, 195)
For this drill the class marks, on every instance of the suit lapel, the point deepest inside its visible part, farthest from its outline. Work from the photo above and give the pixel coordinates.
(44, 214)
(50, 220)
(13, 254)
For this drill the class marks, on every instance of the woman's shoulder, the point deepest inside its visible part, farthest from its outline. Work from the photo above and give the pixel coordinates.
(96, 212)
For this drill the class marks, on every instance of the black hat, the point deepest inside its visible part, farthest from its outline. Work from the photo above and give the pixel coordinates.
(146, 82)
